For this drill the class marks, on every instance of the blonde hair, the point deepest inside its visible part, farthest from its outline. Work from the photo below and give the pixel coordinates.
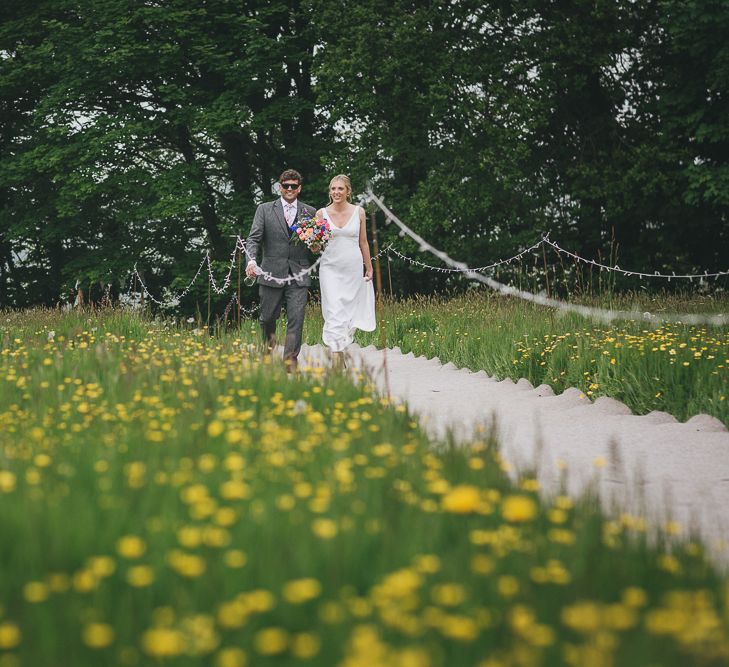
(347, 186)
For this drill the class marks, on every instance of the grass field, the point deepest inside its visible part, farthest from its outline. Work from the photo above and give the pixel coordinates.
(168, 498)
(683, 370)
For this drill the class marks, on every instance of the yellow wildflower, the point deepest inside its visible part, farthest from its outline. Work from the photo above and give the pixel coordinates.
(326, 529)
(519, 508)
(163, 642)
(97, 635)
(215, 428)
(140, 576)
(231, 657)
(35, 591)
(10, 635)
(305, 645)
(462, 499)
(130, 546)
(271, 641)
(299, 591)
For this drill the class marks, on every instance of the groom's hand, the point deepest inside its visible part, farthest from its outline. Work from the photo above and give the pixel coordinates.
(251, 269)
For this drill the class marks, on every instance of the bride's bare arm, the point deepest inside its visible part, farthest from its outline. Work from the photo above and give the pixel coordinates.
(363, 245)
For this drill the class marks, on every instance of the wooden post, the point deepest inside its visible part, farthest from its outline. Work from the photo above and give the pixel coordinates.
(380, 303)
(389, 273)
(237, 305)
(209, 288)
(546, 272)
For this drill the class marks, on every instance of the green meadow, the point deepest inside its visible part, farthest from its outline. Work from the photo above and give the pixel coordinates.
(170, 497)
(680, 369)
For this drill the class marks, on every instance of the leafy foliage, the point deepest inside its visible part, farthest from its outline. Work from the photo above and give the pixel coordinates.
(144, 131)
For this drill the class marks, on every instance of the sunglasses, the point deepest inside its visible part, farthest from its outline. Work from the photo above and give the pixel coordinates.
(290, 186)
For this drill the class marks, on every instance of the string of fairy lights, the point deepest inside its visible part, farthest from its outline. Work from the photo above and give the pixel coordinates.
(600, 314)
(171, 299)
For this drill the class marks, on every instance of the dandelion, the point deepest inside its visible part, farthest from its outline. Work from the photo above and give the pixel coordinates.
(10, 635)
(98, 635)
(325, 529)
(634, 597)
(507, 585)
(669, 563)
(299, 591)
(130, 546)
(518, 508)
(7, 481)
(215, 428)
(235, 558)
(35, 591)
(332, 613)
(673, 528)
(271, 641)
(462, 499)
(140, 576)
(427, 563)
(186, 565)
(84, 581)
(163, 642)
(102, 566)
(482, 564)
(231, 657)
(305, 645)
(460, 628)
(448, 595)
(582, 617)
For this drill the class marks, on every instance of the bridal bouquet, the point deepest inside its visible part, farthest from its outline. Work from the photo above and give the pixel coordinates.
(313, 232)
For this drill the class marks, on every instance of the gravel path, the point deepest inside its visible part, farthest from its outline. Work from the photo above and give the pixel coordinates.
(650, 465)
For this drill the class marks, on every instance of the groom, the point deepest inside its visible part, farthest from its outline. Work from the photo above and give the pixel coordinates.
(282, 257)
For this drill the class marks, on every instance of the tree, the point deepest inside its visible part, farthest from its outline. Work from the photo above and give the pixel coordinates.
(162, 126)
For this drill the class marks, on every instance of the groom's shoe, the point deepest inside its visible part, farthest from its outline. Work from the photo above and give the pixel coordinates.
(269, 344)
(292, 364)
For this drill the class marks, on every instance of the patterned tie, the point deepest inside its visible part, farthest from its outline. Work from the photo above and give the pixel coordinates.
(289, 214)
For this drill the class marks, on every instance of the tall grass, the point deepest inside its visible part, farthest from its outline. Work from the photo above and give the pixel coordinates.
(167, 497)
(679, 369)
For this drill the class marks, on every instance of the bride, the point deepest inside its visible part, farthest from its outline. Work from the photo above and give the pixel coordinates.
(345, 271)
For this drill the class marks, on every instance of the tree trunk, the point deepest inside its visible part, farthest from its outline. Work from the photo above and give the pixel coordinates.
(211, 222)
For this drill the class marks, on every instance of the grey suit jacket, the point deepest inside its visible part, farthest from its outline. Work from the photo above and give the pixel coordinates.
(271, 235)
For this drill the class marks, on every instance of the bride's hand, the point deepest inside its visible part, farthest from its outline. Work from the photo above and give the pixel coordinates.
(368, 273)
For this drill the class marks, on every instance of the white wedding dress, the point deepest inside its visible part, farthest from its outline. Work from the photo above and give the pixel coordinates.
(347, 299)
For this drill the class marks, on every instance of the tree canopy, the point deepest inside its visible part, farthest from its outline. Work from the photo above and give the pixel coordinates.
(145, 132)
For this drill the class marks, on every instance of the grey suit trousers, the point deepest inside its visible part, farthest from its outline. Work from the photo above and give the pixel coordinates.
(272, 298)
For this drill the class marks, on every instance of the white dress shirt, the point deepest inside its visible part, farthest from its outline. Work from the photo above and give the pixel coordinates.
(290, 214)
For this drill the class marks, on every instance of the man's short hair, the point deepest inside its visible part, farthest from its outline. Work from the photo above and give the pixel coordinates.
(290, 175)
